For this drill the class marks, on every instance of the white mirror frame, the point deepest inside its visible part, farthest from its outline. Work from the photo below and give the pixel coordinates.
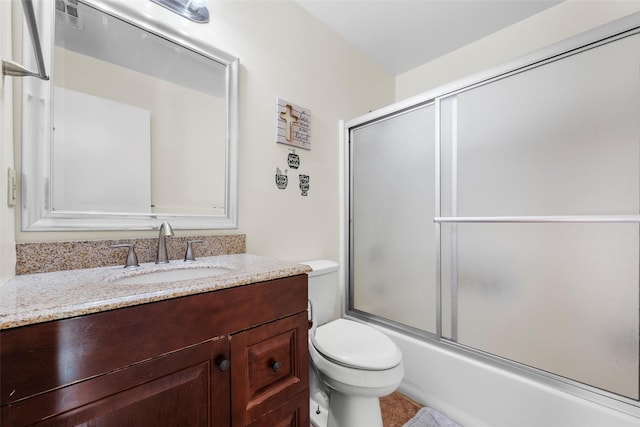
(36, 161)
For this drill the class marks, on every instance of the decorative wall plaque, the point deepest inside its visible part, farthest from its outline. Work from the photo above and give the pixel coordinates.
(293, 124)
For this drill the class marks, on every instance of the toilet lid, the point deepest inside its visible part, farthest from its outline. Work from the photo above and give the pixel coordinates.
(356, 345)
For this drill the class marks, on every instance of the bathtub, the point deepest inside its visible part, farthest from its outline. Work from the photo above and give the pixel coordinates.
(476, 393)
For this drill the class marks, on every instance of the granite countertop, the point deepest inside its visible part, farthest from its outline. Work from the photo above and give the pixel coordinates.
(36, 298)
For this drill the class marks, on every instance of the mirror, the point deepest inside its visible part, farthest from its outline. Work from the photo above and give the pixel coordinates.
(138, 125)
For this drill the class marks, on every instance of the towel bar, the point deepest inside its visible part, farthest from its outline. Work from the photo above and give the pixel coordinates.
(541, 219)
(10, 68)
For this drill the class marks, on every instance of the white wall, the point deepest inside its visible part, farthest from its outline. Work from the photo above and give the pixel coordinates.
(284, 52)
(552, 25)
(7, 244)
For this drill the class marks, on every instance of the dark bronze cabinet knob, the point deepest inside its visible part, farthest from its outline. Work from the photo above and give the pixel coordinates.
(223, 364)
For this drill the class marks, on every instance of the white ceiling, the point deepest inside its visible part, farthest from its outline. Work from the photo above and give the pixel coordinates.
(402, 34)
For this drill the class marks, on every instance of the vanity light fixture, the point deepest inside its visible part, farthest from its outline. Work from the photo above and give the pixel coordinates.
(195, 10)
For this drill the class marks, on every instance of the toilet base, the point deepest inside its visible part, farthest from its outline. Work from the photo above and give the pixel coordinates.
(353, 411)
(347, 411)
(319, 413)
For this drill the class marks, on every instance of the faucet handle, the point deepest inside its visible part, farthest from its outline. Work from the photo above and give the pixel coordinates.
(132, 258)
(189, 255)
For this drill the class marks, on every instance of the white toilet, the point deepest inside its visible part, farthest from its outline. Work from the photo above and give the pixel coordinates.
(351, 364)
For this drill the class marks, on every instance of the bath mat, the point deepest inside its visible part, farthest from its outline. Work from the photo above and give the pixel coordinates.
(428, 417)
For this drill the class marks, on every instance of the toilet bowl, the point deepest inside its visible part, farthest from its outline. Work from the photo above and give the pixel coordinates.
(352, 364)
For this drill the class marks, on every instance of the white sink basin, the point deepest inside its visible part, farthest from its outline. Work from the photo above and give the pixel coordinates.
(172, 275)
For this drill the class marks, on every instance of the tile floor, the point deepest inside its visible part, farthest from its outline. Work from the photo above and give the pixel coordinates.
(397, 409)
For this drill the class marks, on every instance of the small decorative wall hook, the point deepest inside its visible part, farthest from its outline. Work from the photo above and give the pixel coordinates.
(281, 179)
(304, 184)
(293, 159)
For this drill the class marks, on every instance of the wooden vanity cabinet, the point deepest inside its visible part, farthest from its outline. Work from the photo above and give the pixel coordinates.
(233, 357)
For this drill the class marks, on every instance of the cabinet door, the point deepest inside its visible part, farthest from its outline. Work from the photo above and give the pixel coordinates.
(183, 388)
(292, 413)
(269, 367)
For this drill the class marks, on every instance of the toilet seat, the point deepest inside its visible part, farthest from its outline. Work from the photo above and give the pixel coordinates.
(354, 381)
(356, 345)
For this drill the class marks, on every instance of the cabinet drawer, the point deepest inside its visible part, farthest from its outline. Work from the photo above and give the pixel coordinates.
(269, 367)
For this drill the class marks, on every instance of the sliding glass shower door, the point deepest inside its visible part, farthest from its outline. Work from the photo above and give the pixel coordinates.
(393, 200)
(538, 266)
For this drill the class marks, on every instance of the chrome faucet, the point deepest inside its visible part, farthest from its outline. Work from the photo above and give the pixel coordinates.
(165, 231)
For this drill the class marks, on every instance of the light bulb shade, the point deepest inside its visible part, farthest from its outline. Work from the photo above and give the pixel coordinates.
(194, 10)
(197, 4)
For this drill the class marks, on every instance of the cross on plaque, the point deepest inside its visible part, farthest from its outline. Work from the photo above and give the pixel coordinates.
(289, 119)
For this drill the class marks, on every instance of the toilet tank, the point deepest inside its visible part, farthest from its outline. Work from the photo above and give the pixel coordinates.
(323, 287)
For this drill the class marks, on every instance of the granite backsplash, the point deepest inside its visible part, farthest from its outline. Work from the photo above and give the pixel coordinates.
(47, 257)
